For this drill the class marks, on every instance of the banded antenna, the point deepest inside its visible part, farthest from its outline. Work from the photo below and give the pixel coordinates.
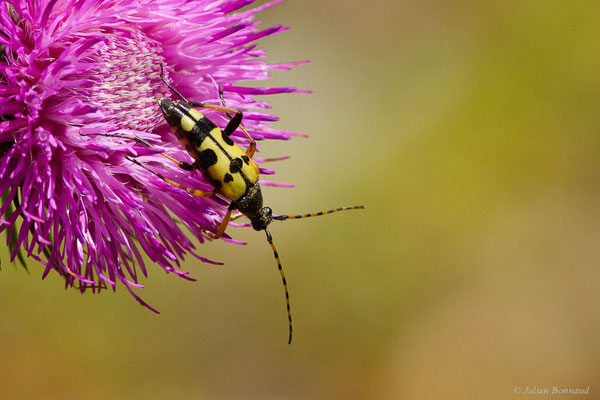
(270, 240)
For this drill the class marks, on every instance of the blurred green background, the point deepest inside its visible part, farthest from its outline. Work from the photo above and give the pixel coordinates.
(470, 132)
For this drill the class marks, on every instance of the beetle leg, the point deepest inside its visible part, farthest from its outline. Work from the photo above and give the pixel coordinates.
(237, 216)
(181, 164)
(193, 192)
(223, 224)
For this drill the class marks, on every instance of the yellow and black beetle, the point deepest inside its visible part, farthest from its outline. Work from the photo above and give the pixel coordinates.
(230, 170)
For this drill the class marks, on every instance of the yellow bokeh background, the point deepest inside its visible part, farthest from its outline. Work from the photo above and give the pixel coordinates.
(470, 131)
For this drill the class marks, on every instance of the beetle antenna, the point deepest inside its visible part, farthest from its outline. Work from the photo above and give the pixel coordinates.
(162, 77)
(285, 288)
(283, 217)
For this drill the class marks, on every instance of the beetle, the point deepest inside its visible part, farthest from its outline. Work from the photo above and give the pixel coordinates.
(229, 169)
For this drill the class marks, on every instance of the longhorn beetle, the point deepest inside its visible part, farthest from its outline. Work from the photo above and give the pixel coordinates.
(230, 170)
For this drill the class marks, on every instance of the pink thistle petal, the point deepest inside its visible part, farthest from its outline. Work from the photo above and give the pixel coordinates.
(269, 183)
(262, 91)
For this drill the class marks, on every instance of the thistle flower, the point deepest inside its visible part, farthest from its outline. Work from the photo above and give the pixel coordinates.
(79, 80)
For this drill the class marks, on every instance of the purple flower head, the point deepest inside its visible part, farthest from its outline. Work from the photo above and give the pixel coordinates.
(79, 81)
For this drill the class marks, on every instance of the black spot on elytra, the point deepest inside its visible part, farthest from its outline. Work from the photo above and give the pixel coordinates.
(235, 165)
(226, 139)
(208, 157)
(246, 159)
(216, 183)
(204, 125)
(227, 178)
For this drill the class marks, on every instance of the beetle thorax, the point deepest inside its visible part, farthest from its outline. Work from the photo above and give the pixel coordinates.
(251, 205)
